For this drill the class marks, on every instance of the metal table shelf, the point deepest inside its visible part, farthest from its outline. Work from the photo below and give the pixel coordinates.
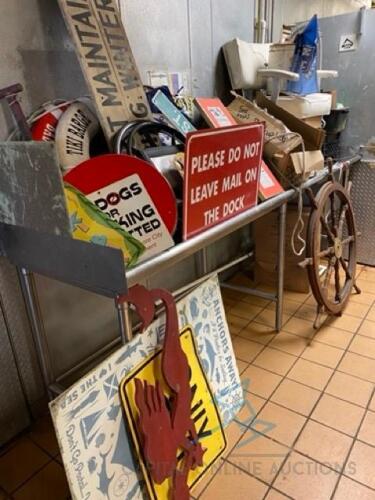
(101, 269)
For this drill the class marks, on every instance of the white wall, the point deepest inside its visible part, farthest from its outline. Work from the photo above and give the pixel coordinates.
(180, 35)
(291, 11)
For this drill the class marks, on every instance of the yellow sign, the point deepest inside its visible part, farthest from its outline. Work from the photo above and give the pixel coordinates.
(203, 412)
(88, 223)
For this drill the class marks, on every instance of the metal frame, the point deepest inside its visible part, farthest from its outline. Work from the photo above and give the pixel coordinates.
(73, 253)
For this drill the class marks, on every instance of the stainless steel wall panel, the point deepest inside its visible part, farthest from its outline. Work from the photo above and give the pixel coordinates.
(14, 414)
(158, 33)
(36, 51)
(77, 323)
(14, 315)
(363, 194)
(229, 20)
(356, 89)
(200, 41)
(356, 83)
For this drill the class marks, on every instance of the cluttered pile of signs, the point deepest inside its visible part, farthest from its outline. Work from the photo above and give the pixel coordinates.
(141, 174)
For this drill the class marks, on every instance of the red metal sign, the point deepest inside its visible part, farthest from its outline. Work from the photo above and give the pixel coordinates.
(108, 170)
(222, 168)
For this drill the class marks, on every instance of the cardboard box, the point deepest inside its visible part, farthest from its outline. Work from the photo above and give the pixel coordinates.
(311, 160)
(266, 236)
(313, 137)
(315, 121)
(279, 122)
(245, 111)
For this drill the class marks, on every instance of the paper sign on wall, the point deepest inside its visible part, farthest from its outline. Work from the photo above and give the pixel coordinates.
(221, 178)
(128, 203)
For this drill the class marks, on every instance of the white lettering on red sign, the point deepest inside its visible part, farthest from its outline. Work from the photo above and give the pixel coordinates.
(222, 170)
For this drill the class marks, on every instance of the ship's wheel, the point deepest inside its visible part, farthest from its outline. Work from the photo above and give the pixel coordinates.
(331, 248)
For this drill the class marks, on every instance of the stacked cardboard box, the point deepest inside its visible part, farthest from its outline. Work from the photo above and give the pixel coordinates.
(266, 237)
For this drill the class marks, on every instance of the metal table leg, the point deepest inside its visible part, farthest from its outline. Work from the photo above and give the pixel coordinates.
(280, 267)
(37, 328)
(125, 322)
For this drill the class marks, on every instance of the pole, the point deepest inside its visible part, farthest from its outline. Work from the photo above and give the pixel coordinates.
(280, 267)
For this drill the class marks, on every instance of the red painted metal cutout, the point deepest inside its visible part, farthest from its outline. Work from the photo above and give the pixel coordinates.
(165, 431)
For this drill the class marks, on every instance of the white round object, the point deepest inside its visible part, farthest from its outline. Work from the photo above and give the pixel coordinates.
(75, 130)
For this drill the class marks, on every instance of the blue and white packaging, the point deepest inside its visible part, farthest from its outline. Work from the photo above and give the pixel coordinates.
(305, 60)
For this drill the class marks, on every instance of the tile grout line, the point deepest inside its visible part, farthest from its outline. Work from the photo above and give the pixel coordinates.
(21, 485)
(276, 388)
(351, 449)
(269, 400)
(273, 392)
(314, 388)
(360, 425)
(50, 455)
(246, 428)
(313, 409)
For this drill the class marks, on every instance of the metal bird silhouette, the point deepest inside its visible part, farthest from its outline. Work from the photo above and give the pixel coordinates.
(166, 431)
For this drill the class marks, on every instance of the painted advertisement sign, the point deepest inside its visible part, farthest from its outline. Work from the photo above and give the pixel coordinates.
(95, 445)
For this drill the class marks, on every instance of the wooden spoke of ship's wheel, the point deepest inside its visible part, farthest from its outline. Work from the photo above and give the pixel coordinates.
(348, 240)
(346, 269)
(326, 253)
(327, 279)
(333, 211)
(344, 209)
(327, 229)
(337, 280)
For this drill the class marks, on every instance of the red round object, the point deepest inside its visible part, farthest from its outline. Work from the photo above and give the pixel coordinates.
(44, 128)
(101, 171)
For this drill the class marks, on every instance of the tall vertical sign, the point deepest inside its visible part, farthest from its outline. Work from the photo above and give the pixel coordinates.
(107, 62)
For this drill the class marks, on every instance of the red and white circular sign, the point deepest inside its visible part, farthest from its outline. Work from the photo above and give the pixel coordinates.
(105, 171)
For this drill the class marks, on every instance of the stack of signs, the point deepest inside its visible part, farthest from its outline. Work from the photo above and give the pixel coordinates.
(107, 62)
(133, 194)
(95, 444)
(218, 116)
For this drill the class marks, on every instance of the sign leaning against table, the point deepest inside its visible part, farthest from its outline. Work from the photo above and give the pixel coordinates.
(107, 62)
(95, 445)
